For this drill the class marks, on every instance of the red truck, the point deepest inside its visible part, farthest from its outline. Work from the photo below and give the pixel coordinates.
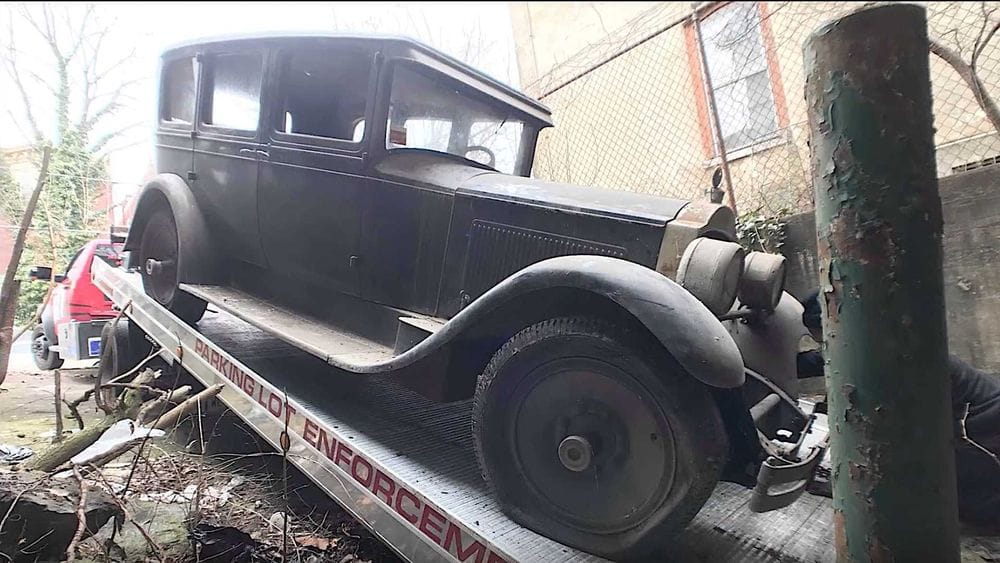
(71, 323)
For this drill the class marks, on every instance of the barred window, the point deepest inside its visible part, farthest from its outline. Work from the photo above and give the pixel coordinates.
(737, 63)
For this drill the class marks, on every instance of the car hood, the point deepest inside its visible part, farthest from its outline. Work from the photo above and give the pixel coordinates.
(431, 171)
(630, 206)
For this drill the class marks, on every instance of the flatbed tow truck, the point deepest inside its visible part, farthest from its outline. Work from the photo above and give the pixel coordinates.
(403, 465)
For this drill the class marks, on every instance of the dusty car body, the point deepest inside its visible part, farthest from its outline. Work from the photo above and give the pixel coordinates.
(368, 199)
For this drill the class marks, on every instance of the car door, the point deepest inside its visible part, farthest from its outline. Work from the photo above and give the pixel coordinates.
(227, 147)
(311, 185)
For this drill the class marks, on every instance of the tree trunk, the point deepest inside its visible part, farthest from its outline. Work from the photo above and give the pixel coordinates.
(9, 290)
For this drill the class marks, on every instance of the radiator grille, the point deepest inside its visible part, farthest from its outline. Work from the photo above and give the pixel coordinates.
(497, 251)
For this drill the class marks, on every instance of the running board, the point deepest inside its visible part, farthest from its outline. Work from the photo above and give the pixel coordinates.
(335, 346)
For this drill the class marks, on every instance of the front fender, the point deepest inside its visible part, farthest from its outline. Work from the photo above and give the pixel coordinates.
(195, 247)
(687, 329)
(690, 333)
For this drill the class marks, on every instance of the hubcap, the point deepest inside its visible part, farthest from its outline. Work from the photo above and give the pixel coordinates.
(590, 445)
(159, 258)
(40, 346)
(575, 453)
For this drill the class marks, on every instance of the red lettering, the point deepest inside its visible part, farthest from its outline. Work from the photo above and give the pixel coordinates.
(341, 448)
(454, 536)
(426, 522)
(310, 435)
(214, 360)
(248, 384)
(274, 404)
(403, 493)
(494, 558)
(327, 444)
(260, 395)
(367, 479)
(385, 485)
(289, 411)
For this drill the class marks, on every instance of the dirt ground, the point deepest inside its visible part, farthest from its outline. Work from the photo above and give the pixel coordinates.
(208, 482)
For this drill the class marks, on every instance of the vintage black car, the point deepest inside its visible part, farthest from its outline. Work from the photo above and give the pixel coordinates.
(379, 193)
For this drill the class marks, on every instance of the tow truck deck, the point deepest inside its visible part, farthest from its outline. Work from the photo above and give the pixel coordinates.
(403, 465)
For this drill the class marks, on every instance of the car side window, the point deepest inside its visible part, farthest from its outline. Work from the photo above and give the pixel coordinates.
(232, 91)
(324, 92)
(178, 94)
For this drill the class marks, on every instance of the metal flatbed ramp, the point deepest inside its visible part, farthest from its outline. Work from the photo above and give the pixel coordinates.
(404, 465)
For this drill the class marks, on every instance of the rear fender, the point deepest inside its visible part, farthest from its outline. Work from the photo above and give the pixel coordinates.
(195, 246)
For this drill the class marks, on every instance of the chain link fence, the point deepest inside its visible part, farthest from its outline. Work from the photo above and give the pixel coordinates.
(679, 95)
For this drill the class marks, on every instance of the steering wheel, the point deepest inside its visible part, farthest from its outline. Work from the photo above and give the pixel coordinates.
(481, 148)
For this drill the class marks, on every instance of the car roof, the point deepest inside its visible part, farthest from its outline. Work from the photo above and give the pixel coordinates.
(540, 111)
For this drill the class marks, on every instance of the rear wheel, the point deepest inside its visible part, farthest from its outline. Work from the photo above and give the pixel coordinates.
(158, 262)
(592, 435)
(44, 356)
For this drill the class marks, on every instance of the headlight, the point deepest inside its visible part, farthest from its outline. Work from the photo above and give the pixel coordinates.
(763, 280)
(710, 270)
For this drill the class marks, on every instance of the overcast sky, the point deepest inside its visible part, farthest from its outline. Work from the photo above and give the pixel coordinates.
(151, 27)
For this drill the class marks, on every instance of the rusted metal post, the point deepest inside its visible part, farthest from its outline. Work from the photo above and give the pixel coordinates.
(878, 219)
(727, 179)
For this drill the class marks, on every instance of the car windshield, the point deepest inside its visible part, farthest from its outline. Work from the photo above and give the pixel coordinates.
(429, 111)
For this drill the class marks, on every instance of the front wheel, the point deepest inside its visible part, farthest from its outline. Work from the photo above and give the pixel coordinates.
(158, 263)
(593, 435)
(45, 358)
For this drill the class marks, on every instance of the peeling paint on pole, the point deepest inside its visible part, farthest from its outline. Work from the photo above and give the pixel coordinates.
(878, 218)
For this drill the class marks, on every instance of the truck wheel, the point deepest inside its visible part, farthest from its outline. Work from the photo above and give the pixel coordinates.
(158, 258)
(593, 435)
(44, 357)
(122, 348)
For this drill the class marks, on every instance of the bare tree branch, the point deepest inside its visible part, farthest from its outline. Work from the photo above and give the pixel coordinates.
(972, 80)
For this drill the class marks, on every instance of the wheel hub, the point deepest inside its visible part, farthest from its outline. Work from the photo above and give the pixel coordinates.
(576, 453)
(584, 443)
(156, 267)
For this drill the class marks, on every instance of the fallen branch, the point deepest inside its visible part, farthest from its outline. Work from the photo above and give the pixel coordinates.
(172, 416)
(128, 407)
(155, 408)
(157, 551)
(81, 515)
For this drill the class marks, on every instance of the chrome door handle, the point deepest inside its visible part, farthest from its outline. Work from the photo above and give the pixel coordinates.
(258, 152)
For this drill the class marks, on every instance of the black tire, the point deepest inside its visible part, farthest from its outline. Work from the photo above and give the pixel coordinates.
(160, 277)
(44, 357)
(650, 438)
(122, 348)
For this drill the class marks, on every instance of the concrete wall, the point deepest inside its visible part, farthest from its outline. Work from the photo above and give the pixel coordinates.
(971, 206)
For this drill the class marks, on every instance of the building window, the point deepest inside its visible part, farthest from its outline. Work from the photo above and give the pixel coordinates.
(737, 61)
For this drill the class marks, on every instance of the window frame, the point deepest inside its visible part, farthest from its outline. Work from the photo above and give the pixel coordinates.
(529, 132)
(206, 64)
(162, 106)
(712, 146)
(275, 113)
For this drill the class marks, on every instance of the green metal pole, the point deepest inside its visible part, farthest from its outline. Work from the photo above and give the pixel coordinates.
(878, 217)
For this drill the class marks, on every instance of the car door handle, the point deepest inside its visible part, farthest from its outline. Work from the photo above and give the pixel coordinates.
(258, 152)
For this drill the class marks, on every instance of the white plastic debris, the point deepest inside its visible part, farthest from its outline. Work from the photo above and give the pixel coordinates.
(119, 433)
